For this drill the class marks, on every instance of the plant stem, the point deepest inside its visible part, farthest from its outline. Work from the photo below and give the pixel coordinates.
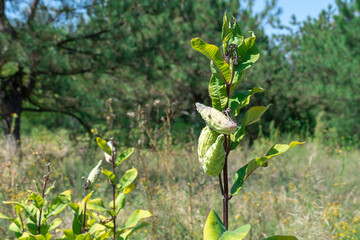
(225, 192)
(84, 215)
(114, 189)
(46, 179)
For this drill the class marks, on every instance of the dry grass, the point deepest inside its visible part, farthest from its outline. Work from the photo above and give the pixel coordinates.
(311, 192)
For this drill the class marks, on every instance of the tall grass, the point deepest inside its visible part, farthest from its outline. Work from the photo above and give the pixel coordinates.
(312, 192)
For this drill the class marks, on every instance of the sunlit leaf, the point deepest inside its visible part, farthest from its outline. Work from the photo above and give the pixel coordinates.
(243, 173)
(129, 176)
(103, 145)
(110, 175)
(214, 228)
(124, 155)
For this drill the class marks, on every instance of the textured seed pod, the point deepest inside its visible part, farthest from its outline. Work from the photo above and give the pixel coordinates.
(94, 174)
(216, 119)
(107, 156)
(211, 151)
(206, 140)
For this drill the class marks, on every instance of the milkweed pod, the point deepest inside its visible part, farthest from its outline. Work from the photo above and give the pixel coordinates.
(211, 151)
(214, 159)
(94, 174)
(216, 119)
(206, 140)
(107, 156)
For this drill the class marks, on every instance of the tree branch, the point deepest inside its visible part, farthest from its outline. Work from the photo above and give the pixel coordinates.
(32, 13)
(87, 127)
(4, 23)
(74, 72)
(72, 39)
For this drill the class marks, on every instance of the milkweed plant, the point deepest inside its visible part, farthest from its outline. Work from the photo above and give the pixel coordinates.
(222, 134)
(37, 215)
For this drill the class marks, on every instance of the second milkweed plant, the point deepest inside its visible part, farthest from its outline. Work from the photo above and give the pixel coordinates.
(222, 134)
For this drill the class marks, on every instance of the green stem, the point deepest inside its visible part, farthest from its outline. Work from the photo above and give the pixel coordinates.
(225, 192)
(114, 190)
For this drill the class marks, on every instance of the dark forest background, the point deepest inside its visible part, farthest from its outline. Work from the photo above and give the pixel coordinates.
(79, 64)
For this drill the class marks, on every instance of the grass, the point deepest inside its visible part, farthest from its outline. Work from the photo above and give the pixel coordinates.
(311, 192)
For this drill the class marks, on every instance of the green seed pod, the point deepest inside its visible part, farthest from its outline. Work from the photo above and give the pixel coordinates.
(216, 119)
(211, 151)
(94, 174)
(206, 140)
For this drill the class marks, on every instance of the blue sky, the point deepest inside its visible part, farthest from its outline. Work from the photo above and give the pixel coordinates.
(300, 8)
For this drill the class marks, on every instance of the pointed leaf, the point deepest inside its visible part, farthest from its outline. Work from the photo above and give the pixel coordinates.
(248, 53)
(50, 188)
(55, 223)
(129, 176)
(217, 88)
(129, 188)
(279, 237)
(103, 145)
(137, 216)
(124, 155)
(213, 53)
(242, 98)
(126, 234)
(96, 227)
(237, 234)
(253, 115)
(110, 175)
(38, 200)
(214, 228)
(59, 204)
(243, 173)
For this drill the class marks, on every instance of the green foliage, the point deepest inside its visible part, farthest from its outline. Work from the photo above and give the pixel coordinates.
(240, 54)
(215, 230)
(89, 221)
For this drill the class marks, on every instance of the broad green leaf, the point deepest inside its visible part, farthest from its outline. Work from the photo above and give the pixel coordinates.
(96, 205)
(37, 186)
(237, 234)
(96, 227)
(242, 98)
(279, 237)
(50, 188)
(84, 236)
(129, 188)
(129, 176)
(213, 53)
(86, 199)
(54, 224)
(137, 216)
(59, 204)
(2, 216)
(110, 175)
(124, 155)
(103, 145)
(243, 173)
(9, 69)
(30, 210)
(69, 234)
(126, 234)
(253, 115)
(214, 228)
(226, 26)
(217, 91)
(248, 52)
(38, 200)
(16, 229)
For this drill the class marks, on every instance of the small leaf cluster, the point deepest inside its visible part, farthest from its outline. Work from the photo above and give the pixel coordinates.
(92, 218)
